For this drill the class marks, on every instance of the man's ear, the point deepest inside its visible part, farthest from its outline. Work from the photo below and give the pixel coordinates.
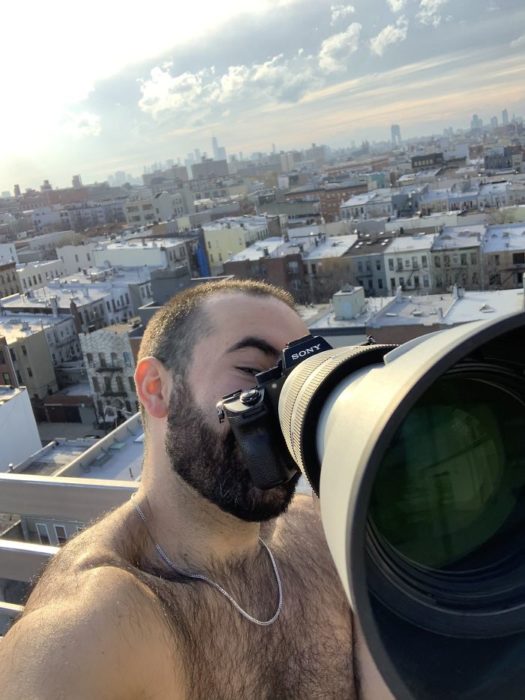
(153, 384)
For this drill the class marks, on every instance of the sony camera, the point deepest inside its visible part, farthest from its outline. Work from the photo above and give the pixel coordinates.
(254, 418)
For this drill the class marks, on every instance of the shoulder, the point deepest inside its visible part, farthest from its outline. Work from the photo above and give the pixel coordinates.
(90, 626)
(103, 638)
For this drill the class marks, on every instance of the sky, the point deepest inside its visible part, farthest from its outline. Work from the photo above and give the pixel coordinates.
(117, 87)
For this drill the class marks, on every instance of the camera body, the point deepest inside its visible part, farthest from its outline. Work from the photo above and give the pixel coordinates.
(253, 416)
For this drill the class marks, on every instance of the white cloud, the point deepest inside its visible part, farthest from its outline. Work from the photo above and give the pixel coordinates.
(82, 125)
(396, 5)
(391, 34)
(339, 12)
(429, 12)
(519, 41)
(337, 49)
(194, 95)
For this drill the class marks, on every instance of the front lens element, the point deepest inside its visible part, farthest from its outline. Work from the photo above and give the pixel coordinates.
(452, 481)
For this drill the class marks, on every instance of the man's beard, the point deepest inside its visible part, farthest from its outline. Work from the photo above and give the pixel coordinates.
(212, 464)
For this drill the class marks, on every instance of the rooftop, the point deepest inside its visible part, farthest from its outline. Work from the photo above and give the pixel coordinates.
(64, 294)
(448, 309)
(504, 237)
(404, 244)
(142, 243)
(13, 326)
(248, 222)
(270, 246)
(453, 237)
(330, 247)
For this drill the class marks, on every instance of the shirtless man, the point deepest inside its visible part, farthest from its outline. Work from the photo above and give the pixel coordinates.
(115, 618)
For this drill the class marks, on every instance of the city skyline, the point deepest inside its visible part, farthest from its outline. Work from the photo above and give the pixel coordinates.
(318, 72)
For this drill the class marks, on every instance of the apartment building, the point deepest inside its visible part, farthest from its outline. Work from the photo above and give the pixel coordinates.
(226, 237)
(26, 358)
(76, 258)
(143, 252)
(34, 275)
(368, 263)
(503, 250)
(9, 282)
(408, 262)
(20, 437)
(108, 358)
(456, 258)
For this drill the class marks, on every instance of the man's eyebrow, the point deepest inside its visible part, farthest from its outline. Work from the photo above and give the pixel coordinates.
(252, 341)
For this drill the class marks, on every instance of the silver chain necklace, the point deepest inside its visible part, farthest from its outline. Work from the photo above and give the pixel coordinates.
(201, 577)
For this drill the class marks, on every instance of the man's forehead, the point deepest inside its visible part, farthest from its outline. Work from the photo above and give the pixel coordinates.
(226, 303)
(237, 310)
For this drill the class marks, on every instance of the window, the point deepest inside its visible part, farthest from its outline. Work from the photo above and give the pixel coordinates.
(437, 261)
(127, 359)
(24, 350)
(496, 259)
(43, 533)
(393, 283)
(378, 265)
(29, 372)
(89, 358)
(426, 282)
(402, 281)
(380, 284)
(359, 266)
(391, 264)
(447, 260)
(463, 259)
(518, 258)
(102, 359)
(114, 359)
(131, 384)
(60, 532)
(473, 259)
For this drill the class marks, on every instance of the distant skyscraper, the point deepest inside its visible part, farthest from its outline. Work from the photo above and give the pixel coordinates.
(76, 182)
(17, 190)
(215, 148)
(494, 122)
(476, 122)
(395, 135)
(504, 117)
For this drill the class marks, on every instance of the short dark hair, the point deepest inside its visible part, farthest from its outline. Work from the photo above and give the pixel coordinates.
(173, 331)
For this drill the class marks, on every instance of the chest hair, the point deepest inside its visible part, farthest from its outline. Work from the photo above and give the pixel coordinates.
(307, 653)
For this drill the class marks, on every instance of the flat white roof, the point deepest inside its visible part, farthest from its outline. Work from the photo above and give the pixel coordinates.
(14, 326)
(449, 309)
(331, 247)
(80, 294)
(138, 243)
(405, 244)
(257, 250)
(453, 237)
(505, 237)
